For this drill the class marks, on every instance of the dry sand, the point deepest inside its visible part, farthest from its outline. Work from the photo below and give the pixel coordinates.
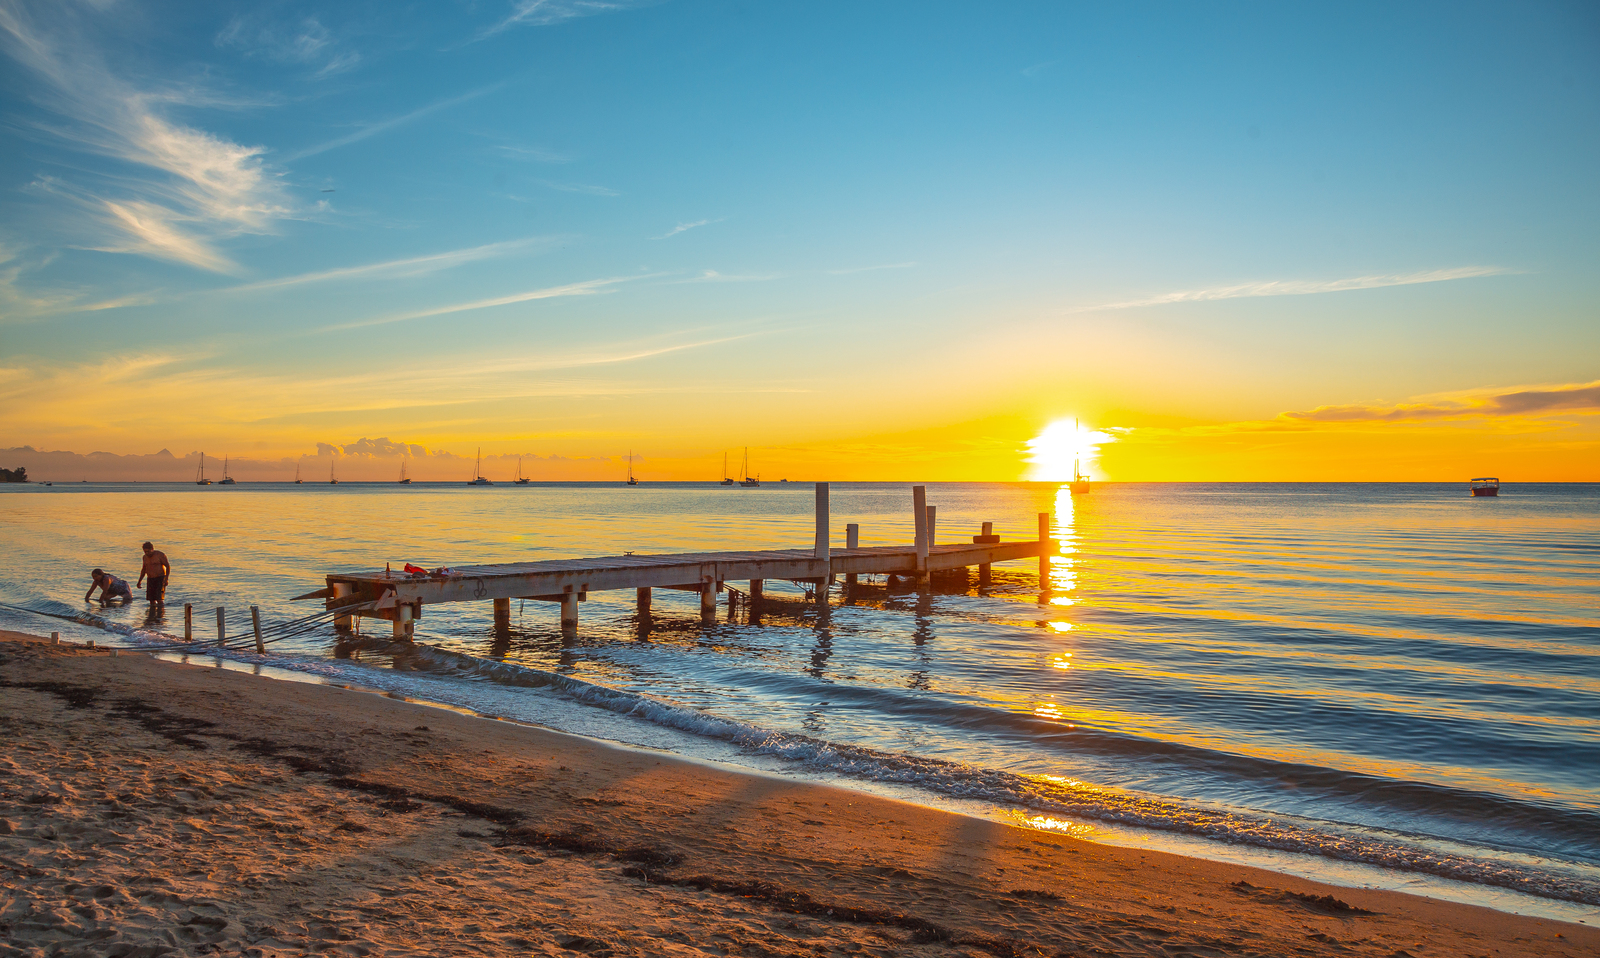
(148, 808)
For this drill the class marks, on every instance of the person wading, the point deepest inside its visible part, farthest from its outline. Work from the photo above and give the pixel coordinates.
(158, 570)
(112, 589)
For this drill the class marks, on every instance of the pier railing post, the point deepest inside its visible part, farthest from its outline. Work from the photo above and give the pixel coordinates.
(255, 624)
(188, 622)
(222, 625)
(823, 547)
(919, 511)
(1044, 552)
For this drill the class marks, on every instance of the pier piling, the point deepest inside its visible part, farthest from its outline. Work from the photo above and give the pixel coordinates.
(919, 511)
(852, 540)
(708, 600)
(255, 624)
(502, 617)
(983, 567)
(642, 597)
(933, 515)
(1044, 552)
(188, 622)
(222, 625)
(822, 547)
(569, 611)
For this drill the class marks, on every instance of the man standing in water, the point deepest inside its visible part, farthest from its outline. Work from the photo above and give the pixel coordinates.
(158, 569)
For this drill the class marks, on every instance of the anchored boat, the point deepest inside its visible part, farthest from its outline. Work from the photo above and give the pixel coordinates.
(477, 472)
(201, 479)
(1487, 486)
(227, 480)
(750, 482)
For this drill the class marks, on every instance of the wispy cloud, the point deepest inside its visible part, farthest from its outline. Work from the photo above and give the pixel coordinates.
(580, 188)
(410, 266)
(535, 153)
(304, 41)
(585, 288)
(383, 126)
(1519, 401)
(712, 276)
(204, 187)
(543, 13)
(1301, 287)
(684, 228)
(869, 269)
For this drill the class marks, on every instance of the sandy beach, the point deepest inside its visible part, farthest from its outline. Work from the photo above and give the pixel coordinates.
(149, 808)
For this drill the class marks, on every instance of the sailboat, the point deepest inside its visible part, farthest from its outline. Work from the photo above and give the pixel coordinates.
(227, 480)
(631, 481)
(744, 467)
(1080, 482)
(201, 480)
(521, 479)
(331, 480)
(477, 472)
(727, 480)
(297, 479)
(405, 480)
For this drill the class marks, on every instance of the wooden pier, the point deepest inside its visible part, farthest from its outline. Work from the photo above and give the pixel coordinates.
(401, 599)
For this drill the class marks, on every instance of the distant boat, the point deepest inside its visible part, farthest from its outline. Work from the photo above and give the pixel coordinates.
(1486, 486)
(331, 480)
(631, 481)
(405, 480)
(727, 480)
(201, 480)
(477, 472)
(750, 482)
(1080, 482)
(521, 479)
(227, 480)
(297, 479)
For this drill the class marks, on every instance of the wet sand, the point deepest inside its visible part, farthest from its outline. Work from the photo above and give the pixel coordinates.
(148, 808)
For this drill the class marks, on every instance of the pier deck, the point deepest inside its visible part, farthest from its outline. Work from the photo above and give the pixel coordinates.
(401, 598)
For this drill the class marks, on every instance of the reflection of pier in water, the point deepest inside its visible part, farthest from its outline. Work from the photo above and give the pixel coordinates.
(401, 599)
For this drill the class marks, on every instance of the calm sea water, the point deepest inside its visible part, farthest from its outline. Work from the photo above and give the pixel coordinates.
(1376, 684)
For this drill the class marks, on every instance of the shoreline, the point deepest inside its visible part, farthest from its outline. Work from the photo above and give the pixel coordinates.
(148, 802)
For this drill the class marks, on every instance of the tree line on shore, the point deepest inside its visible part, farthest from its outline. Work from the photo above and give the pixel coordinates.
(19, 474)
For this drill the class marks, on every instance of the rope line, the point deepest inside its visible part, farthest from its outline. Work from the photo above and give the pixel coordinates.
(244, 642)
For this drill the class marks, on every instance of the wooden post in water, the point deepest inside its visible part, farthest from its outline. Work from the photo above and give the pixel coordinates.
(255, 623)
(823, 547)
(933, 514)
(642, 596)
(983, 567)
(188, 622)
(502, 616)
(758, 588)
(222, 625)
(569, 610)
(852, 540)
(1044, 552)
(708, 600)
(919, 511)
(342, 590)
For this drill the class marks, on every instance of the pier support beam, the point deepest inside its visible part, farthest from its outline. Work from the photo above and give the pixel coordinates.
(502, 616)
(758, 589)
(1044, 552)
(405, 627)
(642, 599)
(708, 601)
(569, 612)
(919, 512)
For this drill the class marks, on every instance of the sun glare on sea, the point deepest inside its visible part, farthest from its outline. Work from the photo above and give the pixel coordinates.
(1062, 446)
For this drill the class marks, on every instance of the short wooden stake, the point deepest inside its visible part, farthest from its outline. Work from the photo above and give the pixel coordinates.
(188, 622)
(1044, 552)
(222, 625)
(55, 638)
(255, 623)
(983, 567)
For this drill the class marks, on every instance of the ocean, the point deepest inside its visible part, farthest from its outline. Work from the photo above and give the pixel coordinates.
(1390, 685)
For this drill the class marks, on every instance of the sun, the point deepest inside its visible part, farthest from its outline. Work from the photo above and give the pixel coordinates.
(1063, 446)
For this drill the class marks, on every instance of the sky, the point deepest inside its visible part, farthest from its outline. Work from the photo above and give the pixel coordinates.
(865, 241)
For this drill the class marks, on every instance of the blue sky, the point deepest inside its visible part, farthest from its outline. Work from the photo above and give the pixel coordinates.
(572, 228)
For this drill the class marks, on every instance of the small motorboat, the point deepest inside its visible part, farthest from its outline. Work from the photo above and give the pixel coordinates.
(1487, 486)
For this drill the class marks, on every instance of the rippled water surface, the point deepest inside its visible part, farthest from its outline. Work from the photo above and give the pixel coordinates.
(1393, 677)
